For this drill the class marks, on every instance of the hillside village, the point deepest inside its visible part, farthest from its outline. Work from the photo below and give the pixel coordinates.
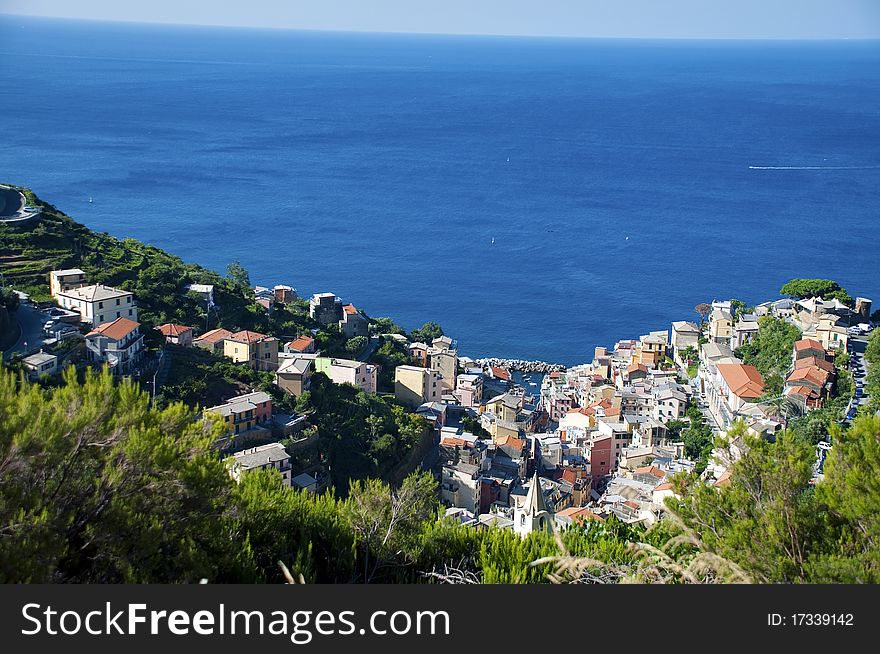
(599, 439)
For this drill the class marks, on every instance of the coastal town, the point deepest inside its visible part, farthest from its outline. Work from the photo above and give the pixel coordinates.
(518, 445)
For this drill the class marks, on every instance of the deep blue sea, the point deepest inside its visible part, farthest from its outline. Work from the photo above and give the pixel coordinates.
(613, 176)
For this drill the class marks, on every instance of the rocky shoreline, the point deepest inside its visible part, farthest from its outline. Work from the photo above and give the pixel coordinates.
(519, 365)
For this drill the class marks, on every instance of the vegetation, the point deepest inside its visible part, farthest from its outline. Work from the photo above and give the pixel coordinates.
(426, 333)
(770, 351)
(824, 288)
(779, 527)
(96, 485)
(361, 435)
(697, 438)
(388, 356)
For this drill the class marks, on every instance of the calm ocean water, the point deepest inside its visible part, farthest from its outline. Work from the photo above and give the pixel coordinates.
(613, 176)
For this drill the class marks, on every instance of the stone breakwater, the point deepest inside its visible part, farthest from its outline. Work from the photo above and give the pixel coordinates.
(518, 365)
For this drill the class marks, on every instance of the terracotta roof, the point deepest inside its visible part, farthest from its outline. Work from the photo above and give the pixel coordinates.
(170, 329)
(117, 330)
(808, 344)
(650, 470)
(350, 309)
(500, 373)
(724, 479)
(214, 336)
(510, 441)
(743, 380)
(636, 367)
(815, 375)
(611, 411)
(247, 336)
(663, 486)
(631, 504)
(576, 513)
(301, 343)
(555, 374)
(804, 391)
(814, 362)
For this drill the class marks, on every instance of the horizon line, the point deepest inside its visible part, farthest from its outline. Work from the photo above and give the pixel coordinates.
(80, 19)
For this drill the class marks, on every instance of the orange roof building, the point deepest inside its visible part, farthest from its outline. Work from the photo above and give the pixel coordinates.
(743, 380)
(116, 330)
(304, 344)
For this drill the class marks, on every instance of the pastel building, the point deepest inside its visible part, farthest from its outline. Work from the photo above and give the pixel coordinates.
(255, 349)
(213, 340)
(413, 386)
(345, 371)
(244, 412)
(293, 375)
(66, 280)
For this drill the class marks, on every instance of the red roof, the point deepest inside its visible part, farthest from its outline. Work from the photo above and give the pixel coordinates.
(579, 514)
(650, 470)
(247, 336)
(350, 309)
(743, 380)
(117, 330)
(808, 344)
(815, 375)
(500, 373)
(301, 344)
(637, 367)
(814, 362)
(214, 336)
(803, 391)
(169, 329)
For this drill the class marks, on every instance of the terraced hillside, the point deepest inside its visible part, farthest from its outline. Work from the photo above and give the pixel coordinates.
(158, 279)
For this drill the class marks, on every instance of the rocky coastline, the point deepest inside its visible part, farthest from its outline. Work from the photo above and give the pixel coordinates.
(520, 365)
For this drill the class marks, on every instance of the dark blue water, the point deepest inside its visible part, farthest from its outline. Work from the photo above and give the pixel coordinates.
(376, 166)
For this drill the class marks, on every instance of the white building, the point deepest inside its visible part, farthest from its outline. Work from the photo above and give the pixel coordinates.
(119, 344)
(533, 514)
(98, 304)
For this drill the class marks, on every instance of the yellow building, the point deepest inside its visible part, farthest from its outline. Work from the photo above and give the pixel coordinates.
(257, 350)
(413, 386)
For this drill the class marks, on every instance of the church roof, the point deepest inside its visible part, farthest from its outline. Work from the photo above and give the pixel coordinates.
(535, 502)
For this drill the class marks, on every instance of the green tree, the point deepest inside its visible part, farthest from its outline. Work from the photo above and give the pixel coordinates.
(238, 275)
(807, 288)
(767, 520)
(356, 344)
(427, 332)
(770, 351)
(96, 486)
(9, 299)
(388, 521)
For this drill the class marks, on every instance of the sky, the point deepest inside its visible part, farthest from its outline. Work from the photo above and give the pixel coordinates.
(708, 19)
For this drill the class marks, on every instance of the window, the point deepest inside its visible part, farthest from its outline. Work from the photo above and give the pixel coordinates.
(100, 305)
(117, 302)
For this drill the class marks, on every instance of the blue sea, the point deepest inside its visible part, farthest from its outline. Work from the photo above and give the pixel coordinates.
(537, 197)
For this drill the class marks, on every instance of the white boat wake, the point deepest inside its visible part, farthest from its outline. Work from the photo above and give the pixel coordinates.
(814, 167)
